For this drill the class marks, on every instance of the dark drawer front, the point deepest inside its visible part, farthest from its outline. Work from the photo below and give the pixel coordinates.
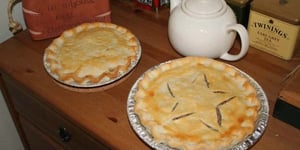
(36, 139)
(50, 122)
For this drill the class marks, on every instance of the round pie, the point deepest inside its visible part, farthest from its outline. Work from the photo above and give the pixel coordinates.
(92, 54)
(196, 103)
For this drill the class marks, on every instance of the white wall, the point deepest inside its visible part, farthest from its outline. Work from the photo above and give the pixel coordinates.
(9, 138)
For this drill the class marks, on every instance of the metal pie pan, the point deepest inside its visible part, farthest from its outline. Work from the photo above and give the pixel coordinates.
(245, 144)
(101, 83)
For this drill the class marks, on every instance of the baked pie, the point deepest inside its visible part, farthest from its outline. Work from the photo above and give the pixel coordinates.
(196, 103)
(92, 54)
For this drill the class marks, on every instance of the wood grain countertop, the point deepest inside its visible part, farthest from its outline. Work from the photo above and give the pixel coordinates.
(103, 113)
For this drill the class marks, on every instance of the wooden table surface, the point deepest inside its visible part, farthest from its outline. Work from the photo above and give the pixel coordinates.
(103, 113)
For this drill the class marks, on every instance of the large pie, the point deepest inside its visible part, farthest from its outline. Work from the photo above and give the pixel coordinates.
(196, 103)
(91, 53)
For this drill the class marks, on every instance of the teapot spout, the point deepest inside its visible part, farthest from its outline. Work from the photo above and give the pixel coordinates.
(173, 4)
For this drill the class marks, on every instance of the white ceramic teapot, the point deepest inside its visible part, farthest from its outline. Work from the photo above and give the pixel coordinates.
(205, 28)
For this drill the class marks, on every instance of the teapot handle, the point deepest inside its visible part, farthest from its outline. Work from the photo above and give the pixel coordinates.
(241, 30)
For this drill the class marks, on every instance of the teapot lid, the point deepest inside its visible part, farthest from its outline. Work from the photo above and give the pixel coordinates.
(204, 8)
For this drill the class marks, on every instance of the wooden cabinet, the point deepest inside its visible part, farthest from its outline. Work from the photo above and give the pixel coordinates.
(43, 127)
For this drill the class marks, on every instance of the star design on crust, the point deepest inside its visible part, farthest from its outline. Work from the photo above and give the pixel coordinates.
(216, 105)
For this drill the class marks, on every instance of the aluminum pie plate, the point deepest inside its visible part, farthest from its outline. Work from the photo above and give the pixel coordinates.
(245, 144)
(101, 83)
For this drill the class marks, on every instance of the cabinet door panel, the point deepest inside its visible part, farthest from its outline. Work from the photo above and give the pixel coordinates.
(36, 139)
(50, 122)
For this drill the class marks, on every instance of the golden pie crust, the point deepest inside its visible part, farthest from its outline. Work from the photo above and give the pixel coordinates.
(196, 103)
(91, 53)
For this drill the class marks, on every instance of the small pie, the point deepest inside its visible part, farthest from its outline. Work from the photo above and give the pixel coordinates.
(91, 53)
(196, 103)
